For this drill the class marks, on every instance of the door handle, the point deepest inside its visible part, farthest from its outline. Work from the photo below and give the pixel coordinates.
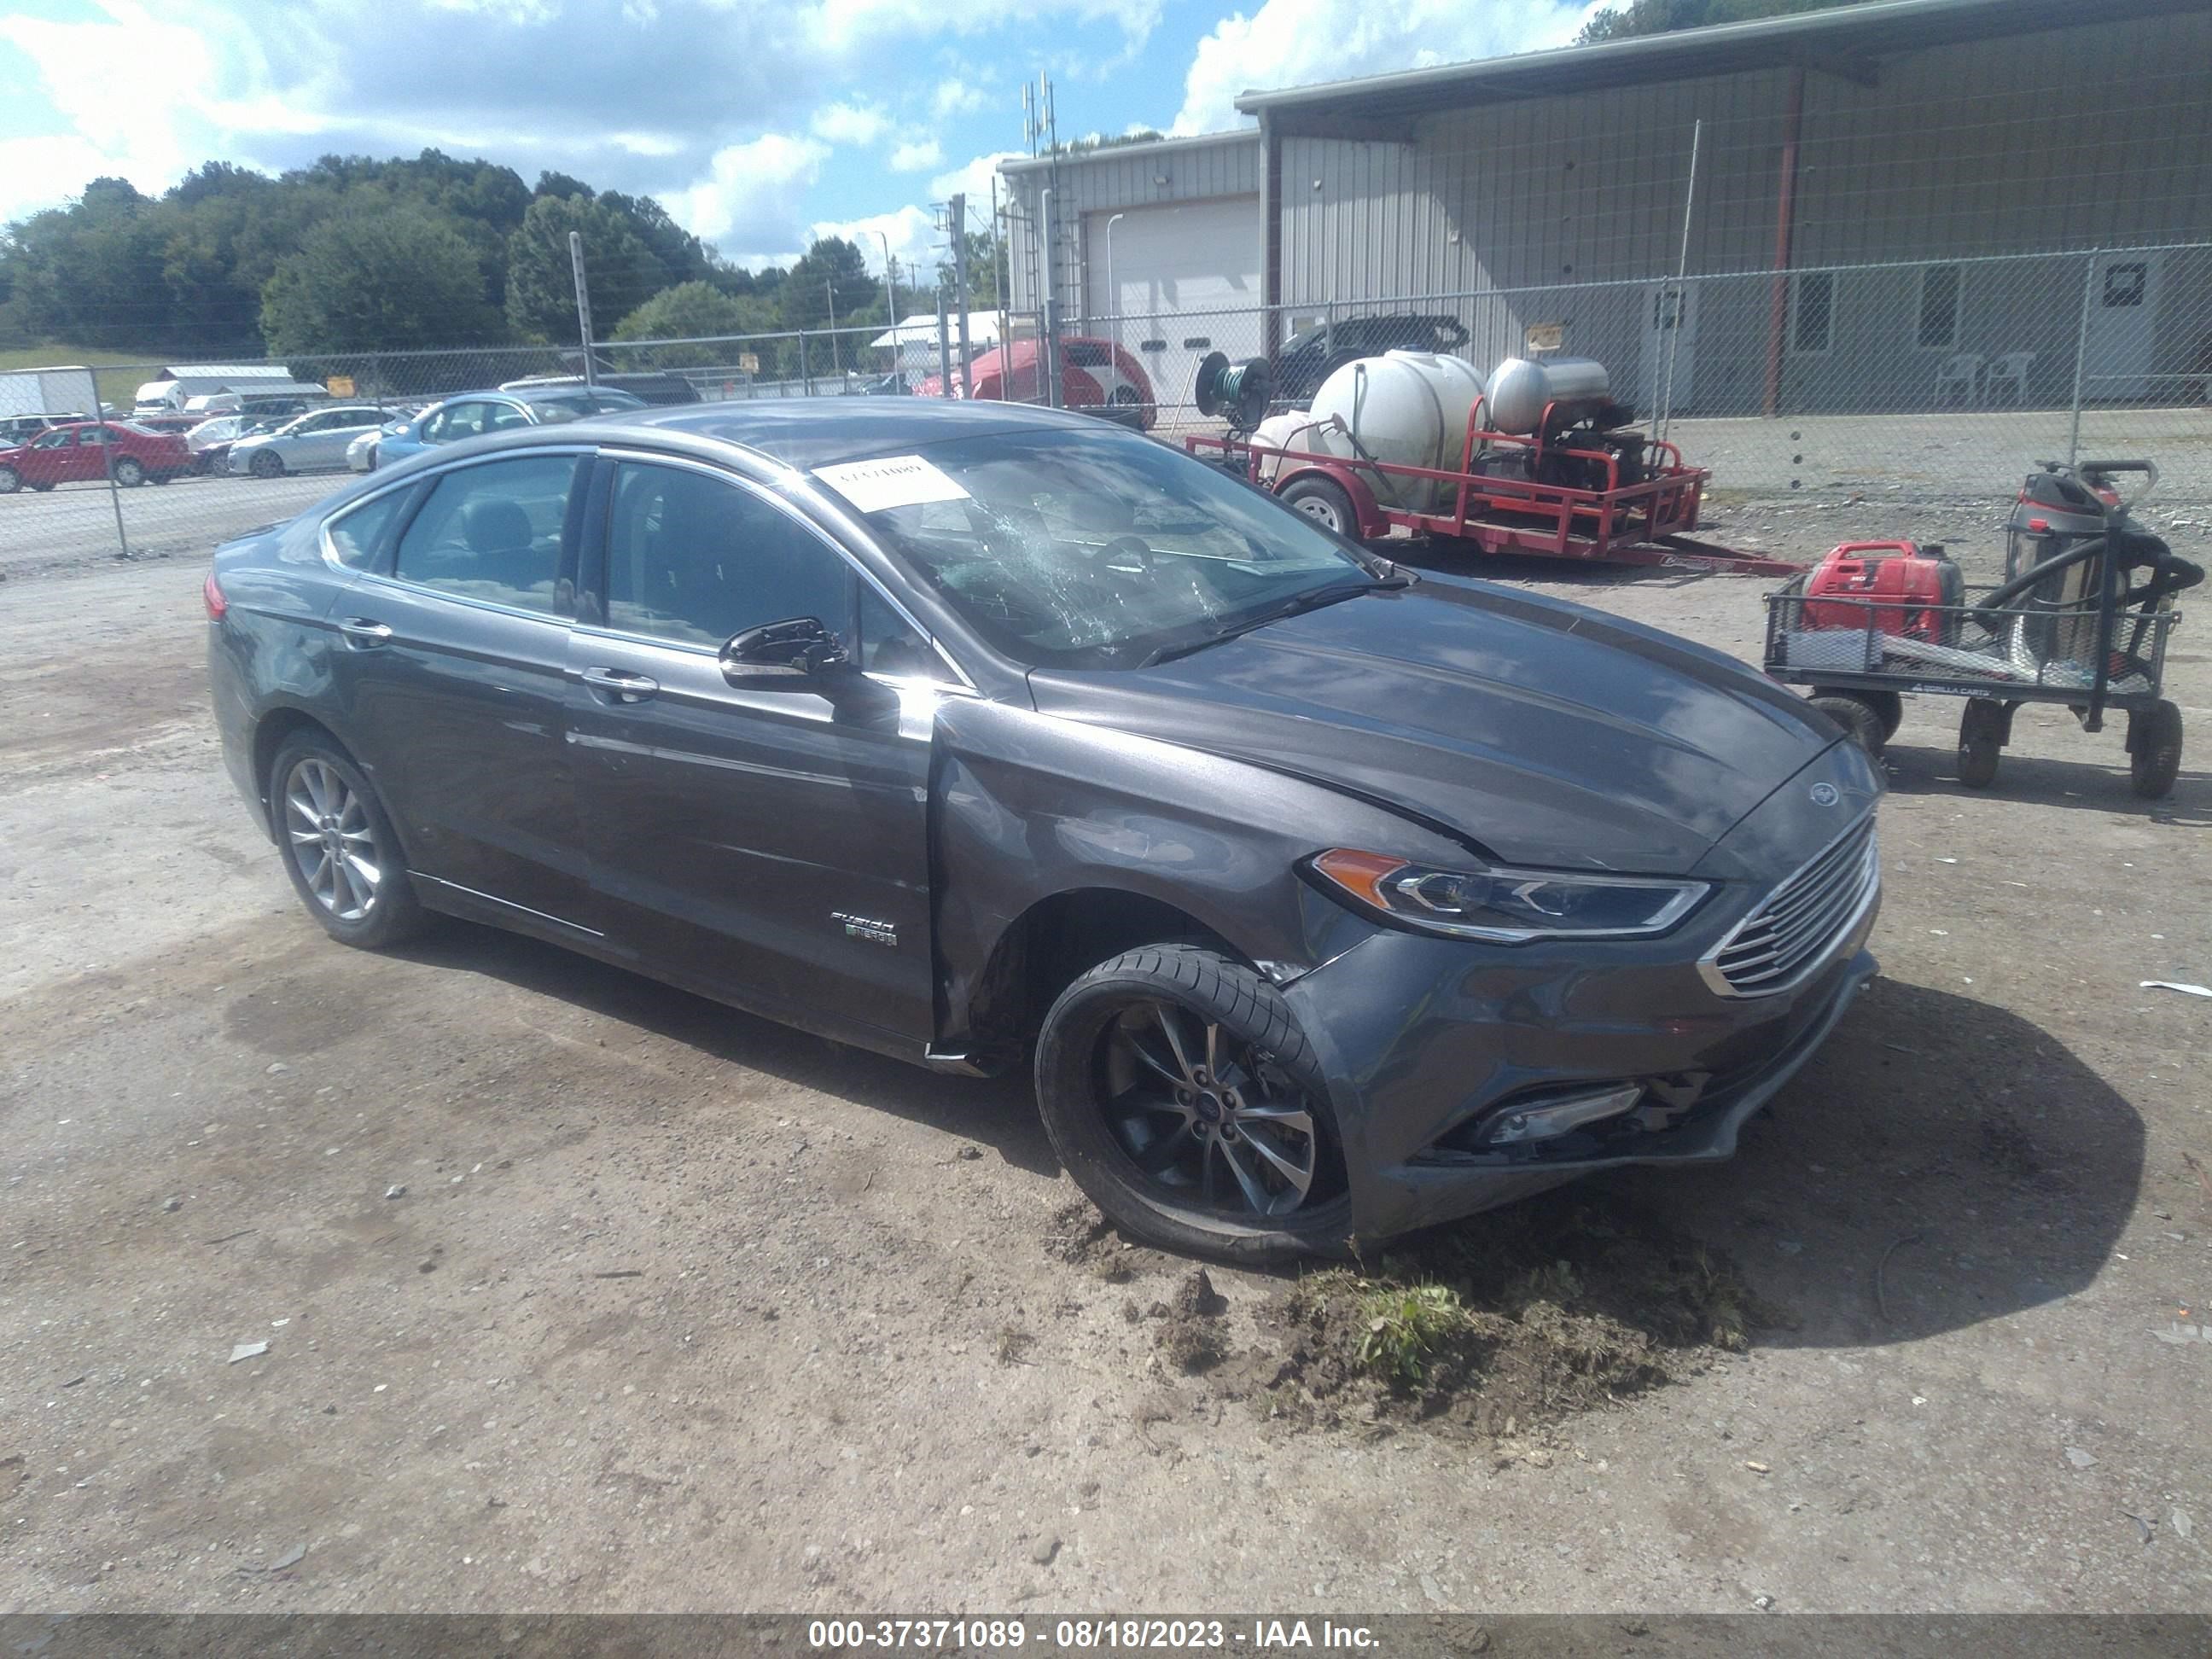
(620, 684)
(364, 634)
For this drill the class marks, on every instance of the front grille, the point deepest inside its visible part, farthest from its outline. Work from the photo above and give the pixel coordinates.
(1793, 932)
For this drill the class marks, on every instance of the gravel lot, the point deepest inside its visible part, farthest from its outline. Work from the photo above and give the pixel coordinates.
(677, 1309)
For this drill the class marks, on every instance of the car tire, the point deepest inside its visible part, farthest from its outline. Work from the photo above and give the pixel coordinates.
(129, 473)
(163, 477)
(1327, 502)
(2155, 750)
(318, 801)
(1217, 1140)
(10, 481)
(266, 464)
(43, 488)
(1981, 742)
(1125, 404)
(1856, 717)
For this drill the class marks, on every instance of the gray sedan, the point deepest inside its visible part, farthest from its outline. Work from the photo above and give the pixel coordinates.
(1325, 902)
(313, 442)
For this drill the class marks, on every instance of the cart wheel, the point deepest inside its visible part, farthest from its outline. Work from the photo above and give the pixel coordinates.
(2155, 750)
(1981, 740)
(1889, 707)
(1327, 504)
(1857, 719)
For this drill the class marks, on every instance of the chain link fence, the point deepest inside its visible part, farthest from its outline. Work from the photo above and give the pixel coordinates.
(1927, 382)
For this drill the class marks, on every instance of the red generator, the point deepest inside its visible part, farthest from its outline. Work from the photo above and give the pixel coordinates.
(1894, 587)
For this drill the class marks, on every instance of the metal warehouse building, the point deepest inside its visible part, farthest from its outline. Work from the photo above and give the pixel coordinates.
(1860, 209)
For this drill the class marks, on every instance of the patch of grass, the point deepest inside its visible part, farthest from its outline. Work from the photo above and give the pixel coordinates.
(1406, 1325)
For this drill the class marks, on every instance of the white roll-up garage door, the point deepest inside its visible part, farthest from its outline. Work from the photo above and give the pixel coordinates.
(1181, 280)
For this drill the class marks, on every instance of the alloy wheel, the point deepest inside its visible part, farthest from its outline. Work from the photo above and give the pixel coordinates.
(331, 839)
(1206, 1118)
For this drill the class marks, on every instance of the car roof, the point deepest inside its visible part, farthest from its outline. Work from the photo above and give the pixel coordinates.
(811, 432)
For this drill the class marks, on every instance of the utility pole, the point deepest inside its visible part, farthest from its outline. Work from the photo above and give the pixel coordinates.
(583, 305)
(958, 211)
(836, 363)
(890, 313)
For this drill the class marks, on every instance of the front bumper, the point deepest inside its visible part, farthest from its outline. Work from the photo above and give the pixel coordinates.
(1423, 1040)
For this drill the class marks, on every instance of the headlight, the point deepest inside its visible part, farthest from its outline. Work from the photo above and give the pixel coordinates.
(1507, 907)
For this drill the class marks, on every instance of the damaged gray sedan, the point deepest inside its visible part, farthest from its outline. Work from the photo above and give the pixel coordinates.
(1326, 902)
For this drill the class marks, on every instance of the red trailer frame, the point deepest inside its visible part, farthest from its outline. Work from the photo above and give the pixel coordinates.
(1643, 524)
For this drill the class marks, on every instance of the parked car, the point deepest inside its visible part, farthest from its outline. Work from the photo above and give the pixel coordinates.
(66, 455)
(22, 428)
(1329, 902)
(209, 440)
(1311, 355)
(661, 389)
(473, 413)
(1094, 374)
(311, 442)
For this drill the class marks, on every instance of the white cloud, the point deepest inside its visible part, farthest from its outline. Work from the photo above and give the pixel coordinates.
(911, 231)
(850, 124)
(958, 95)
(752, 195)
(844, 23)
(1290, 43)
(975, 179)
(917, 156)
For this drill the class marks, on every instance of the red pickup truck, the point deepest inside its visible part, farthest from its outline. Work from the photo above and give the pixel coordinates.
(65, 454)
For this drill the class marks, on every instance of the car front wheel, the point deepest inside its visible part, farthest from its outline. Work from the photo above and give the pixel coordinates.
(338, 846)
(1179, 1092)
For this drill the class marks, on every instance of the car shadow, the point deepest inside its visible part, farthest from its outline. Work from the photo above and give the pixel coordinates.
(997, 1112)
(1940, 1163)
(1930, 769)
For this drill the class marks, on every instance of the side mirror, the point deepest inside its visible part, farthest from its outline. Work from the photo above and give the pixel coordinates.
(782, 656)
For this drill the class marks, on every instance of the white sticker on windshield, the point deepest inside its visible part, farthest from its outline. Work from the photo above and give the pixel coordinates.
(894, 481)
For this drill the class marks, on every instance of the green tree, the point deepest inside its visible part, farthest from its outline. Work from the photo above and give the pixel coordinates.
(832, 266)
(1640, 17)
(541, 284)
(377, 278)
(688, 310)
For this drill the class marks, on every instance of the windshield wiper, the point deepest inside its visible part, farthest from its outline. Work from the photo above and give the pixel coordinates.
(1312, 599)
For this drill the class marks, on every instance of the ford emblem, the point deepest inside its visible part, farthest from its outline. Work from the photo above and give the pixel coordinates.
(1823, 794)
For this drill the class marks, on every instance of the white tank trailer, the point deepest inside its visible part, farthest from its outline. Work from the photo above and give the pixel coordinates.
(1410, 409)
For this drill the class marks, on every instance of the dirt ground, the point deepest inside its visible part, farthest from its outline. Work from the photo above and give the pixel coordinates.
(578, 1293)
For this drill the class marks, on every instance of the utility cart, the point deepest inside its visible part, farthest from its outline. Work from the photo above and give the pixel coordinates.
(2081, 618)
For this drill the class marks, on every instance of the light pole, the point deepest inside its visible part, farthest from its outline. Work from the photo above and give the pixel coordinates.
(1113, 292)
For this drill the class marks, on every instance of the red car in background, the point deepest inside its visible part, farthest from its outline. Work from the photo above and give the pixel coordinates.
(78, 451)
(1094, 374)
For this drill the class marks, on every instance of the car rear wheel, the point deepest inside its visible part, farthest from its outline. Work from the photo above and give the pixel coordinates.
(129, 473)
(267, 464)
(1326, 503)
(338, 846)
(1181, 1094)
(10, 481)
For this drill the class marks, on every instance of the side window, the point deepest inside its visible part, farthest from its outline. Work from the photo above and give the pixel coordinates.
(58, 439)
(889, 644)
(459, 420)
(493, 533)
(501, 417)
(92, 434)
(358, 534)
(693, 559)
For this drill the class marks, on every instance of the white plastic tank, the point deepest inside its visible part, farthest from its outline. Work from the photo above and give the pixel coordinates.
(1520, 390)
(1406, 407)
(1278, 432)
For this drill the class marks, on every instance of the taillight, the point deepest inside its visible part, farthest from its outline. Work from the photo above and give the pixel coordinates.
(211, 596)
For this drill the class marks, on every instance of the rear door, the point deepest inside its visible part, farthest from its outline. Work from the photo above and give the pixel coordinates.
(452, 648)
(769, 844)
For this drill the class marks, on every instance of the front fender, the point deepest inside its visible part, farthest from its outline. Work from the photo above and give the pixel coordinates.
(1025, 806)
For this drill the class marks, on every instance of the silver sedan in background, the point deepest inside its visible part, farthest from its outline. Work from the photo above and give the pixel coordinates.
(311, 442)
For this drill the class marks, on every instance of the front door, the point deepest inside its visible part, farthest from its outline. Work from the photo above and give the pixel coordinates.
(771, 844)
(2122, 329)
(450, 666)
(1670, 350)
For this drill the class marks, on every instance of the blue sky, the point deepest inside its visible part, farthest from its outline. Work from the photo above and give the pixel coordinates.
(760, 125)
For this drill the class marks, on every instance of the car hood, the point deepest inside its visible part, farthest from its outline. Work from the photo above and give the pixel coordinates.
(1541, 732)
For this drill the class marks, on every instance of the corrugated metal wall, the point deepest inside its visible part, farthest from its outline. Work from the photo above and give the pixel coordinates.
(1228, 166)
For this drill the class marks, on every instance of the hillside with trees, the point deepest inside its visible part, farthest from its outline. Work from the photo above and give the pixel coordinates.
(353, 253)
